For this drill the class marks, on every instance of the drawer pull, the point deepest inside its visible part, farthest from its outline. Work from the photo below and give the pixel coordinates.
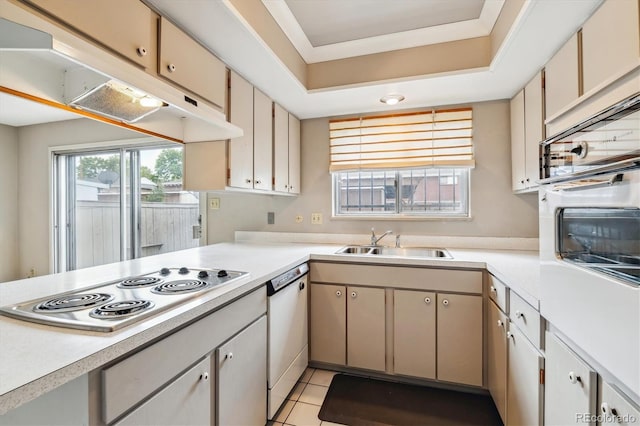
(141, 51)
(258, 181)
(511, 335)
(247, 180)
(427, 300)
(204, 376)
(171, 67)
(519, 315)
(354, 294)
(493, 289)
(445, 302)
(338, 293)
(607, 410)
(500, 323)
(574, 378)
(229, 356)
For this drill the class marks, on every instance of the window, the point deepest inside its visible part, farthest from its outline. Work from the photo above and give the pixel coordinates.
(416, 192)
(410, 164)
(118, 204)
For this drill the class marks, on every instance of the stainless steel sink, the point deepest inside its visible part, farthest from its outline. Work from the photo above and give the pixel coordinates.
(396, 251)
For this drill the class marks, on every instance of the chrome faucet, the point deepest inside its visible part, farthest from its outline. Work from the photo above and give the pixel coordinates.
(374, 239)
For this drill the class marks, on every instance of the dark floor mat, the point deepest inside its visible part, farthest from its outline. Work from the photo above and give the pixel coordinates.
(356, 400)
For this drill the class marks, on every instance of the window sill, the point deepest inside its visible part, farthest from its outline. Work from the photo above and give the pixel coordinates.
(404, 218)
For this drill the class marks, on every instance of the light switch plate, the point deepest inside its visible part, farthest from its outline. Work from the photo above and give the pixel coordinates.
(214, 203)
(316, 218)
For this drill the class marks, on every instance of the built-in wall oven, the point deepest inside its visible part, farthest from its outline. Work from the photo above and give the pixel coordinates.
(590, 240)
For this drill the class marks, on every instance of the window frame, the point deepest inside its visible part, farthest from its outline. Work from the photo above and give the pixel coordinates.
(398, 214)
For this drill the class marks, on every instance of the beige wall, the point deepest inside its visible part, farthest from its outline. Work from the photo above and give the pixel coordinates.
(8, 203)
(496, 211)
(35, 184)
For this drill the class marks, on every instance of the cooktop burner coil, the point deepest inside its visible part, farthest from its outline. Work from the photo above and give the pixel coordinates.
(180, 286)
(123, 308)
(137, 282)
(72, 302)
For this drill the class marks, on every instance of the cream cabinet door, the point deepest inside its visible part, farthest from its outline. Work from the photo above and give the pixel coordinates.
(328, 318)
(497, 323)
(188, 64)
(242, 377)
(517, 142)
(280, 149)
(186, 401)
(366, 343)
(127, 27)
(534, 130)
(414, 333)
(459, 338)
(262, 141)
(610, 42)
(570, 385)
(561, 78)
(524, 391)
(294, 155)
(241, 149)
(614, 409)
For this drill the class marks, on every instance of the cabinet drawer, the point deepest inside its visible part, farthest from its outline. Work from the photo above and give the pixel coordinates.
(127, 27)
(498, 293)
(131, 380)
(398, 277)
(188, 64)
(526, 318)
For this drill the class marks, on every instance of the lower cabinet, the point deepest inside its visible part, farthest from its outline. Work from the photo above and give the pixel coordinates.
(570, 386)
(497, 358)
(186, 401)
(524, 395)
(614, 409)
(414, 333)
(242, 377)
(328, 324)
(366, 342)
(459, 342)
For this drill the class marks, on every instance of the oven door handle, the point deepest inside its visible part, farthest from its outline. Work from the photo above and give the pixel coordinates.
(590, 184)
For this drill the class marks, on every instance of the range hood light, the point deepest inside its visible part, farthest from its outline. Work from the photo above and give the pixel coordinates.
(391, 99)
(148, 101)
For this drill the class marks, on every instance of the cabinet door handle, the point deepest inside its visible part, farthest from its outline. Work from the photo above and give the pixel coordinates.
(171, 67)
(338, 293)
(354, 294)
(492, 289)
(229, 355)
(204, 376)
(247, 180)
(574, 378)
(141, 51)
(607, 410)
(301, 286)
(427, 300)
(519, 315)
(445, 302)
(500, 323)
(258, 182)
(510, 335)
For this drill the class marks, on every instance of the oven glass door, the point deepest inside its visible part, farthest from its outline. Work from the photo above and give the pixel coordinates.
(606, 240)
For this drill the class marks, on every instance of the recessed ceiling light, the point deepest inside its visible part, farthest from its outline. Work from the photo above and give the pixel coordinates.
(391, 99)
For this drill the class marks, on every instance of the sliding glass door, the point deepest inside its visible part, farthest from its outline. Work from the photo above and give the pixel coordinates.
(120, 204)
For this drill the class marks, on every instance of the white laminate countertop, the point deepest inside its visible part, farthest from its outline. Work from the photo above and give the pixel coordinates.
(35, 359)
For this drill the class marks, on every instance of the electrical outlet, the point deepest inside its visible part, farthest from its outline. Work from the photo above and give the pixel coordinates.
(214, 203)
(299, 219)
(32, 273)
(316, 218)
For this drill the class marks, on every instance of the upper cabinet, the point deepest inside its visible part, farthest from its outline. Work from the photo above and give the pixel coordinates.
(188, 64)
(127, 27)
(250, 162)
(527, 131)
(286, 151)
(562, 78)
(610, 42)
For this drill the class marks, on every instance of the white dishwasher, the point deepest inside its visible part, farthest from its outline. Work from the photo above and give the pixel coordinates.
(287, 325)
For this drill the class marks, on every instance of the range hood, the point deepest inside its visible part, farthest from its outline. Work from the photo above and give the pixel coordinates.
(42, 62)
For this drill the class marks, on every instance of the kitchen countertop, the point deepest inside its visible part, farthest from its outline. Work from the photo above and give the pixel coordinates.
(26, 372)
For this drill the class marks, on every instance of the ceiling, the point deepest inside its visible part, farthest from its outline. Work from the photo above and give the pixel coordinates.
(539, 30)
(334, 29)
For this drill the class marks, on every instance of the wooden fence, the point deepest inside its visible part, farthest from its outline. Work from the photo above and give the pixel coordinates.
(165, 227)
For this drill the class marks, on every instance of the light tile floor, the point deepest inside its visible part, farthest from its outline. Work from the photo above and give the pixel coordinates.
(303, 404)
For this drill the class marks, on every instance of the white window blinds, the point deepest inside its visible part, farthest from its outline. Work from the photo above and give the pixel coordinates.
(416, 139)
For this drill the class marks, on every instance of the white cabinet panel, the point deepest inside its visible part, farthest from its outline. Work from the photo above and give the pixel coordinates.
(241, 149)
(366, 328)
(497, 324)
(524, 390)
(262, 141)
